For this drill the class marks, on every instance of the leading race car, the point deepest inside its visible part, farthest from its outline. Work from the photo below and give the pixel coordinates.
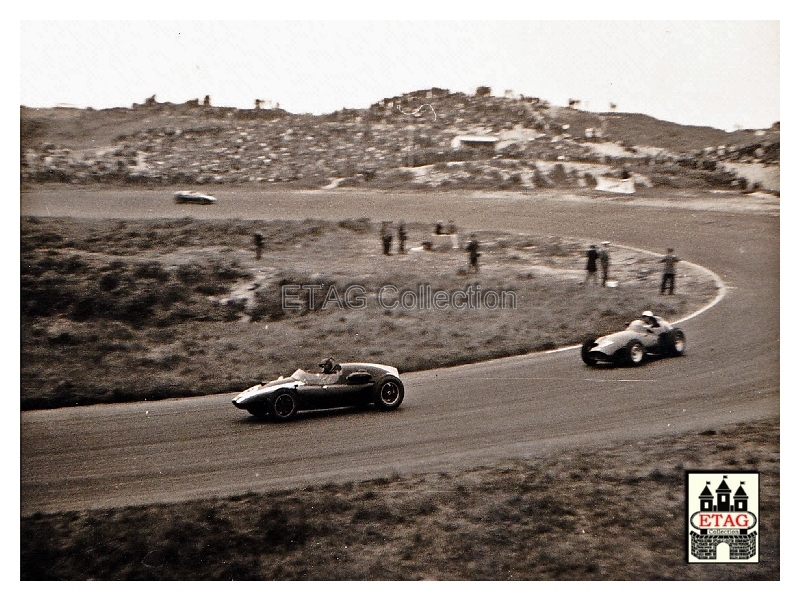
(339, 385)
(190, 197)
(648, 335)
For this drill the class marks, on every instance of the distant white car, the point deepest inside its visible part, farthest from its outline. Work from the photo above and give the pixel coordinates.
(189, 197)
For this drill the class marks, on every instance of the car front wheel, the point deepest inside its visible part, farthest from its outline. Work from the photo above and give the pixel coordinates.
(258, 410)
(285, 406)
(587, 346)
(388, 393)
(634, 353)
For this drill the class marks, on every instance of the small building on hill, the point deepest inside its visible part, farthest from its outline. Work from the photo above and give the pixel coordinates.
(475, 142)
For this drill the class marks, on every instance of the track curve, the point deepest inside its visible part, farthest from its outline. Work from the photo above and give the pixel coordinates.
(526, 406)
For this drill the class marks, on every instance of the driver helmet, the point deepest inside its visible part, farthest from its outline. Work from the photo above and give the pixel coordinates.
(329, 366)
(648, 313)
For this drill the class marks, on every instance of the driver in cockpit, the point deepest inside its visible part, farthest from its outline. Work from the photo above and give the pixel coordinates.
(330, 366)
(655, 322)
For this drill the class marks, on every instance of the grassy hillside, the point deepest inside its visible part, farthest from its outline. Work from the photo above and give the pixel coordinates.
(642, 130)
(86, 128)
(189, 144)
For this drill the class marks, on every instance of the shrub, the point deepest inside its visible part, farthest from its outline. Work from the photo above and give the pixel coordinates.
(360, 225)
(398, 177)
(151, 270)
(172, 293)
(211, 288)
(720, 178)
(513, 180)
(109, 281)
(267, 303)
(190, 273)
(92, 305)
(539, 180)
(228, 272)
(138, 306)
(559, 174)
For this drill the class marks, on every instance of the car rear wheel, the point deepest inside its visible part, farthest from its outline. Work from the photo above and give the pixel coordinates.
(388, 393)
(285, 406)
(634, 353)
(677, 342)
(587, 346)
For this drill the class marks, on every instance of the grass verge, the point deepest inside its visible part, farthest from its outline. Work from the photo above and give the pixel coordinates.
(614, 513)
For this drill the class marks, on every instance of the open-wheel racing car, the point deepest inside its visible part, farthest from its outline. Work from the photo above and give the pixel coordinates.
(339, 385)
(190, 197)
(650, 335)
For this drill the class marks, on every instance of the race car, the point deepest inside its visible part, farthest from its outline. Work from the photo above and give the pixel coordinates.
(189, 197)
(650, 335)
(338, 385)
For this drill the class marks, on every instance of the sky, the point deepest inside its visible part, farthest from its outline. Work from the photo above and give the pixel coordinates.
(724, 74)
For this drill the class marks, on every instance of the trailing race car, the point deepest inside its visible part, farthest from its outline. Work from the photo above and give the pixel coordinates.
(189, 197)
(348, 384)
(648, 335)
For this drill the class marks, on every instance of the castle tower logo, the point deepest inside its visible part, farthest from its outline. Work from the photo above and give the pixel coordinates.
(722, 524)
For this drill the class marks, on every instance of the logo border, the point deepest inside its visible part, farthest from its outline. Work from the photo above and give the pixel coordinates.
(686, 515)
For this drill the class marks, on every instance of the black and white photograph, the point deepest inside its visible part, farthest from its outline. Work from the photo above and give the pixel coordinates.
(399, 295)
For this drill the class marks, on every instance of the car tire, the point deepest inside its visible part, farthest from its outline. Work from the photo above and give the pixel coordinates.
(388, 393)
(587, 345)
(634, 353)
(284, 406)
(258, 410)
(677, 342)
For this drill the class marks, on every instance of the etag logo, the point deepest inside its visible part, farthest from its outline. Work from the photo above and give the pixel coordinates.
(722, 517)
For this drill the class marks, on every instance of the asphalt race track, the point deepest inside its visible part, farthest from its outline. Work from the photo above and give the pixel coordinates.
(114, 455)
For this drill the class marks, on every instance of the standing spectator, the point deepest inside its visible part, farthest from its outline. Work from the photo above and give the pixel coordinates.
(451, 228)
(591, 264)
(439, 228)
(386, 238)
(604, 262)
(401, 238)
(668, 279)
(472, 248)
(258, 241)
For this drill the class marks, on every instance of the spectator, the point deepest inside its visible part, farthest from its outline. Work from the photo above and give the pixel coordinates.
(386, 238)
(604, 262)
(451, 228)
(591, 264)
(258, 241)
(472, 248)
(439, 228)
(668, 279)
(401, 238)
